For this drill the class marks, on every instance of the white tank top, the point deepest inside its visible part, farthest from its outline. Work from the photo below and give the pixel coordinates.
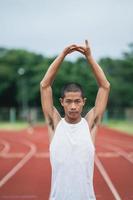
(72, 162)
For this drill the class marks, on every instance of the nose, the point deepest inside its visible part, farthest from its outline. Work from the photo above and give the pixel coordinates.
(73, 106)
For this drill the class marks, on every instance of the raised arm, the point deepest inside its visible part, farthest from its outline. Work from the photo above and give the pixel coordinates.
(95, 114)
(51, 114)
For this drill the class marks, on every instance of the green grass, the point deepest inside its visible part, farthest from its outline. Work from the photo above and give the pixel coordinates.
(122, 125)
(13, 126)
(16, 125)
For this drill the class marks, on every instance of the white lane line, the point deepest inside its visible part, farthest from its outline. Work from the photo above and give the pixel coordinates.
(107, 178)
(42, 155)
(21, 155)
(120, 151)
(18, 197)
(108, 154)
(20, 164)
(12, 155)
(131, 154)
(119, 143)
(46, 154)
(6, 148)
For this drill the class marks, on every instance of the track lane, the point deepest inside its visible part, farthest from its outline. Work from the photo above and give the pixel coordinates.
(33, 180)
(120, 167)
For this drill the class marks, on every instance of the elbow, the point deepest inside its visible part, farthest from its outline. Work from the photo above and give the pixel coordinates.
(43, 84)
(107, 85)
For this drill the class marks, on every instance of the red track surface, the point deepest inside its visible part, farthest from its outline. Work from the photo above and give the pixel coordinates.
(25, 168)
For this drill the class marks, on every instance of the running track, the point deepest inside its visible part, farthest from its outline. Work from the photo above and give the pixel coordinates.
(25, 168)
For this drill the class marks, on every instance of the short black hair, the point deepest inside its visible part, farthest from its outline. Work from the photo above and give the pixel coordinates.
(72, 87)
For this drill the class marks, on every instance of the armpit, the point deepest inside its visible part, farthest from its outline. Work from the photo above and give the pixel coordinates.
(51, 123)
(96, 122)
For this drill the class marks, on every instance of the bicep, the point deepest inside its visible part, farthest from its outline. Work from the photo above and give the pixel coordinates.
(47, 101)
(92, 119)
(94, 116)
(93, 122)
(51, 114)
(101, 101)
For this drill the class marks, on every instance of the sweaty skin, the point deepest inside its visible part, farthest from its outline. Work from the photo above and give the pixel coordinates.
(73, 102)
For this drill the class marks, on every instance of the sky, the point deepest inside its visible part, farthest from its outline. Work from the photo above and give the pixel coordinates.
(48, 26)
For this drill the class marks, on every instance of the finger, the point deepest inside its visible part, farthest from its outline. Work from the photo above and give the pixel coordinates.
(86, 43)
(80, 50)
(69, 47)
(71, 51)
(76, 49)
(80, 47)
(72, 46)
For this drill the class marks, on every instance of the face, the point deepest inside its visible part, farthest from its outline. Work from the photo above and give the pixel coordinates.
(73, 104)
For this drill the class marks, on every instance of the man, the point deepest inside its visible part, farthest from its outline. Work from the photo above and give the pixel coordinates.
(72, 137)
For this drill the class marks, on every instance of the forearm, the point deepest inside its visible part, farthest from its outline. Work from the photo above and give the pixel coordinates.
(98, 72)
(52, 71)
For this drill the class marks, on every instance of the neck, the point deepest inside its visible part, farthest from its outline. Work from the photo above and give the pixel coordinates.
(71, 120)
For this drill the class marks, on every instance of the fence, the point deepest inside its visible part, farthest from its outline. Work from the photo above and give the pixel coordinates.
(35, 114)
(16, 114)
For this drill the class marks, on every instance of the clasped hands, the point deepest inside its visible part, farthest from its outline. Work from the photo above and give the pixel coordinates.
(85, 50)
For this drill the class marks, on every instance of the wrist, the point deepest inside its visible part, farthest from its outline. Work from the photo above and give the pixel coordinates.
(89, 58)
(62, 55)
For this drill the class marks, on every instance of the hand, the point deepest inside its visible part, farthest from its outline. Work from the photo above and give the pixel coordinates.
(69, 49)
(85, 50)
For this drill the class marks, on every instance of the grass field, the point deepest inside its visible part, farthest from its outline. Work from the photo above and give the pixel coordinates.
(121, 125)
(16, 125)
(125, 126)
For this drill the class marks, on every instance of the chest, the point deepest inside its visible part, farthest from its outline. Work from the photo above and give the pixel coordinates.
(71, 144)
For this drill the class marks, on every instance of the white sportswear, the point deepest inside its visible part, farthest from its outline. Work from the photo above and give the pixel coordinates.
(72, 162)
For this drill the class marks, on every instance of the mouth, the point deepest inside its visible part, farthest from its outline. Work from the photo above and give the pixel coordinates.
(73, 112)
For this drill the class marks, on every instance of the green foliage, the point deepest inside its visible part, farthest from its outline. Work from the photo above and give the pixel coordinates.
(120, 75)
(21, 72)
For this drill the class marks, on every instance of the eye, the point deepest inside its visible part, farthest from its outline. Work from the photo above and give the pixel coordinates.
(77, 101)
(68, 101)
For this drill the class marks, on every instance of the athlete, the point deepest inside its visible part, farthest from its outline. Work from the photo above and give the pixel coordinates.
(72, 138)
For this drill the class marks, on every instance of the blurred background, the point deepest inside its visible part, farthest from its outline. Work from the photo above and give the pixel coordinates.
(34, 32)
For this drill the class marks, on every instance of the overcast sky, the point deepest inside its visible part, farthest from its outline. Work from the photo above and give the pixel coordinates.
(47, 26)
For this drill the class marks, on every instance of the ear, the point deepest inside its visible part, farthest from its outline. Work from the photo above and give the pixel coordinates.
(84, 100)
(61, 101)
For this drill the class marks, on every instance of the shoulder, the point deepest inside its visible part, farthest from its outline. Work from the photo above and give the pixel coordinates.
(56, 118)
(93, 121)
(52, 122)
